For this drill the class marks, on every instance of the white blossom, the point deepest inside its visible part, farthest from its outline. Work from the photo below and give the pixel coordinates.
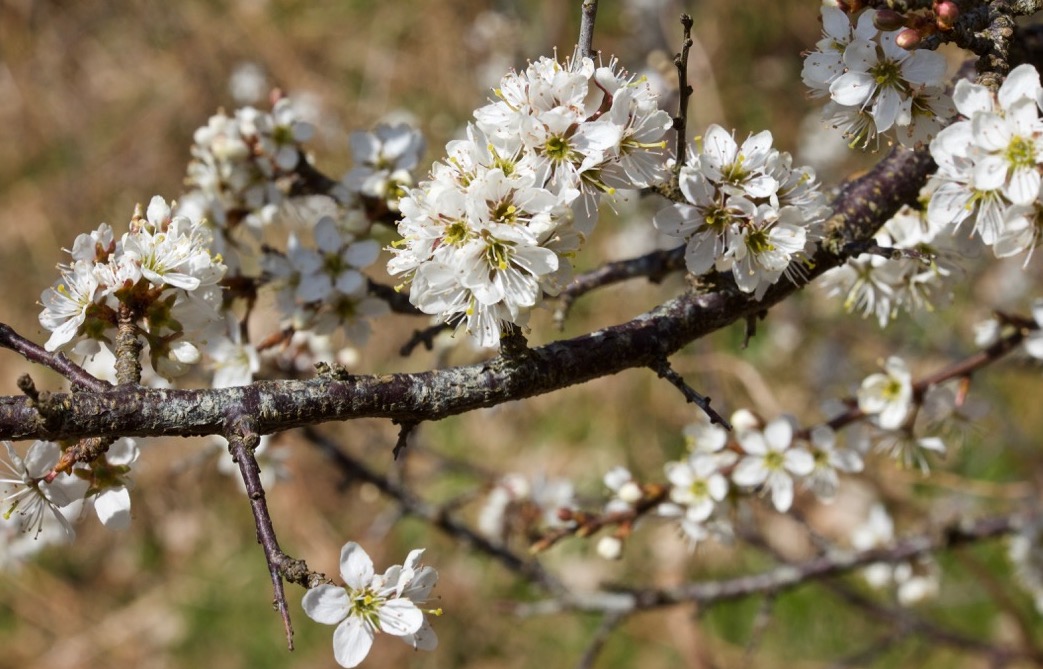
(888, 397)
(771, 461)
(29, 494)
(371, 603)
(495, 227)
(747, 211)
(989, 165)
(875, 85)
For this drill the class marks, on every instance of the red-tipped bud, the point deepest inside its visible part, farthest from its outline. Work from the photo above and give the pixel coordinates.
(888, 19)
(908, 39)
(946, 14)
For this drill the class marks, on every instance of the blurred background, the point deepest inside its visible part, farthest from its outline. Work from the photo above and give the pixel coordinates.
(98, 103)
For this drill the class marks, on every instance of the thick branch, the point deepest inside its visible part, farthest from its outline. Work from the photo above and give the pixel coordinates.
(863, 206)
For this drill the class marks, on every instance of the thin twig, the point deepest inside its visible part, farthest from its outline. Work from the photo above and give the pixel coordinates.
(586, 28)
(425, 337)
(128, 347)
(404, 430)
(56, 361)
(609, 623)
(664, 370)
(685, 93)
(242, 440)
(437, 516)
(654, 266)
(781, 578)
(962, 369)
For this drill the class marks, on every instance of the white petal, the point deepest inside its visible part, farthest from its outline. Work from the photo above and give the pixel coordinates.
(781, 492)
(750, 472)
(355, 566)
(326, 604)
(971, 98)
(158, 210)
(351, 642)
(1022, 82)
(113, 508)
(400, 617)
(424, 638)
(852, 89)
(799, 461)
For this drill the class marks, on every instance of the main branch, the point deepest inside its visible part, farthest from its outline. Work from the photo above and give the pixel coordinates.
(131, 410)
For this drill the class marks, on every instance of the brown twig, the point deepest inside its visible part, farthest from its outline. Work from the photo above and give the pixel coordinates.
(663, 369)
(242, 440)
(782, 578)
(32, 352)
(654, 266)
(438, 517)
(685, 93)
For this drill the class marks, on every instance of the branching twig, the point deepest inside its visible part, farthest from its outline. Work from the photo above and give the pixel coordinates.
(585, 525)
(781, 578)
(425, 337)
(609, 623)
(962, 369)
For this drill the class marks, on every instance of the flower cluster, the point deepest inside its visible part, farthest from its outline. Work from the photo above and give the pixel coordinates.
(517, 504)
(919, 277)
(768, 459)
(38, 506)
(890, 402)
(875, 85)
(747, 210)
(322, 288)
(914, 580)
(236, 163)
(385, 160)
(371, 603)
(161, 271)
(494, 227)
(990, 166)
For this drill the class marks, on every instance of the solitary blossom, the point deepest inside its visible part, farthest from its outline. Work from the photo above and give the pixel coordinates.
(371, 603)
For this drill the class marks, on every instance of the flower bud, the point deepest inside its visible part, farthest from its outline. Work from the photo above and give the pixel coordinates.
(888, 19)
(946, 14)
(630, 492)
(908, 39)
(610, 548)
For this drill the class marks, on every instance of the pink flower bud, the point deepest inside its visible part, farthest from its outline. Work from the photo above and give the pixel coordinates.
(946, 14)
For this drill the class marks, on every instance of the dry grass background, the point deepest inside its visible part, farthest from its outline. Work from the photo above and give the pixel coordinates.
(98, 101)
